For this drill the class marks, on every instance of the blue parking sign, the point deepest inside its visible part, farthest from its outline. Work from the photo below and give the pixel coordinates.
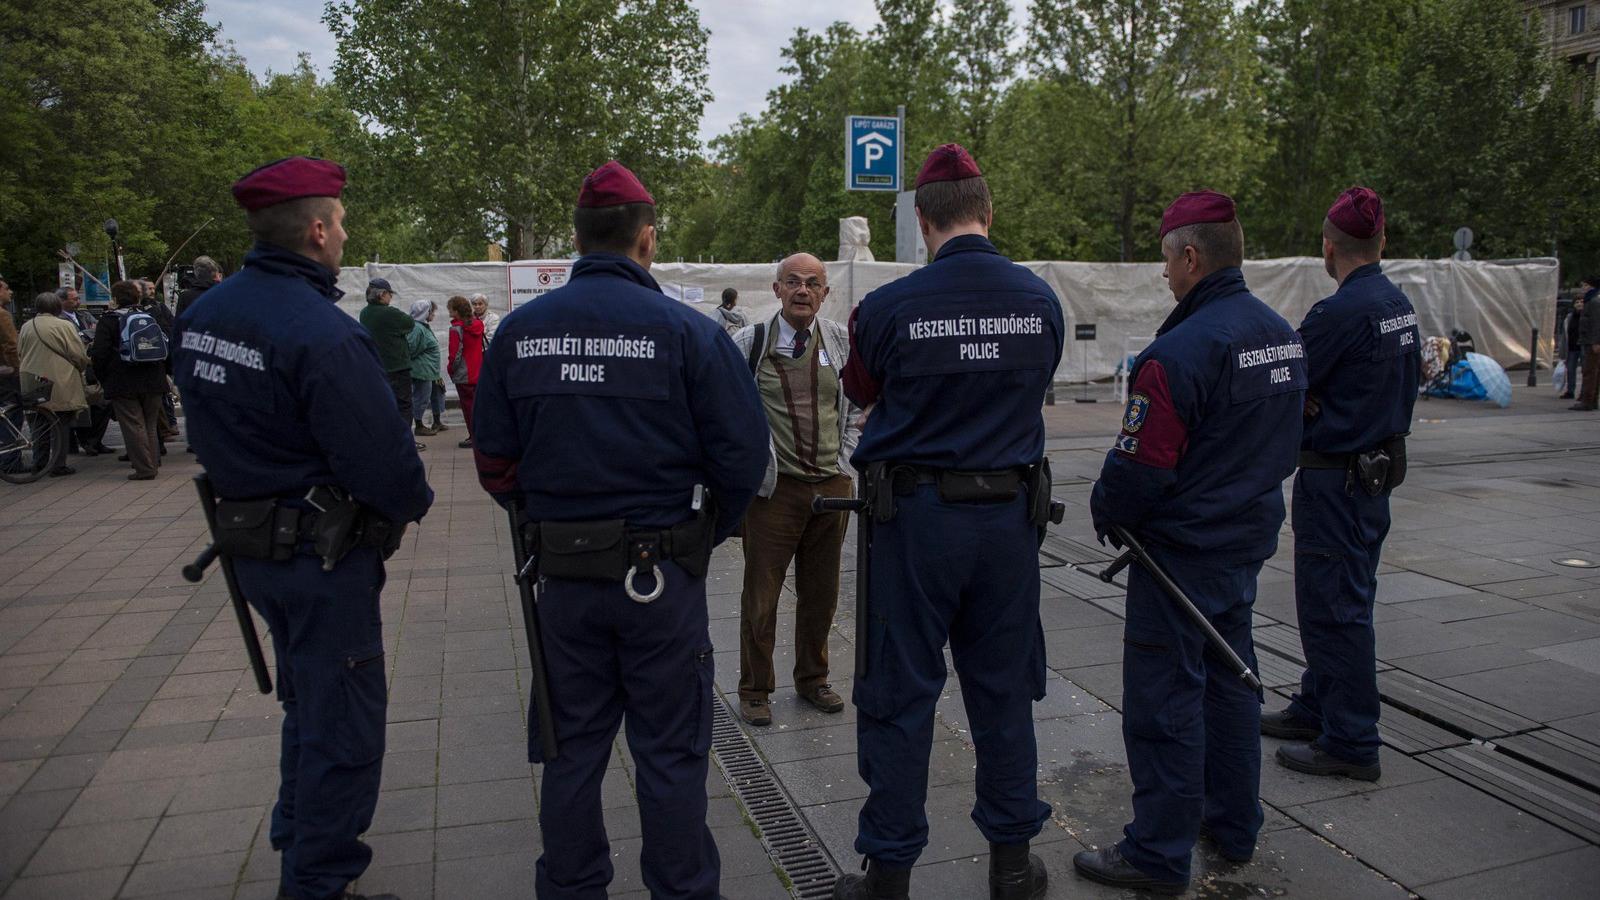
(872, 153)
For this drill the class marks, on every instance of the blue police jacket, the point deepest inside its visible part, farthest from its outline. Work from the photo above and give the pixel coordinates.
(1364, 359)
(1211, 430)
(604, 399)
(284, 391)
(957, 356)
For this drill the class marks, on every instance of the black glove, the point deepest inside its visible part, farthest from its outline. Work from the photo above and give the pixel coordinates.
(397, 533)
(1103, 532)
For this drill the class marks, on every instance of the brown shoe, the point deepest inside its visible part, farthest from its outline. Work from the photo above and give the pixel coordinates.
(824, 697)
(756, 712)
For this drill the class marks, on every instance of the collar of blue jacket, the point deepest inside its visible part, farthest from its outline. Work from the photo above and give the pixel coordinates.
(1220, 283)
(275, 260)
(614, 265)
(966, 243)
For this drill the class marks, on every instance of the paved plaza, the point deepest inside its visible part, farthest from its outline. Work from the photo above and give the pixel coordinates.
(137, 758)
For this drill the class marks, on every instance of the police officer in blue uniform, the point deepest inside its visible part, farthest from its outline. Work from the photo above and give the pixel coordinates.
(1210, 433)
(1363, 354)
(954, 360)
(295, 426)
(605, 410)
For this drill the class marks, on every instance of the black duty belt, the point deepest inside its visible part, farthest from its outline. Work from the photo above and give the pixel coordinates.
(1311, 459)
(611, 550)
(325, 521)
(1376, 471)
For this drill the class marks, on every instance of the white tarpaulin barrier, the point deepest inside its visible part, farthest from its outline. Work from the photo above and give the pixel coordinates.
(1499, 304)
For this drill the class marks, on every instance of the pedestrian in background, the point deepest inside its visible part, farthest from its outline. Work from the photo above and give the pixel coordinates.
(732, 320)
(423, 348)
(134, 389)
(1589, 340)
(489, 318)
(391, 331)
(1574, 347)
(466, 355)
(52, 353)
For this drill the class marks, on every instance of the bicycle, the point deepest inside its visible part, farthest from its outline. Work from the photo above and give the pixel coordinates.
(33, 440)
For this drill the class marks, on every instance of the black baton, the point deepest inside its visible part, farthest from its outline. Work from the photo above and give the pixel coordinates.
(527, 575)
(241, 610)
(1137, 553)
(863, 512)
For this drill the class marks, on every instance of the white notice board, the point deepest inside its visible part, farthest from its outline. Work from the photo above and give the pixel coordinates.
(531, 280)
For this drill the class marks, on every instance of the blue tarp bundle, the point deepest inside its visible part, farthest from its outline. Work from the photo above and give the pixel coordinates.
(1476, 378)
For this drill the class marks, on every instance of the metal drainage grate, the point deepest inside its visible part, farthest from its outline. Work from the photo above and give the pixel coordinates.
(788, 839)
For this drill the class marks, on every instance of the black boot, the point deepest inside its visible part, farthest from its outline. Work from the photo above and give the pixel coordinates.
(1107, 866)
(878, 884)
(1014, 873)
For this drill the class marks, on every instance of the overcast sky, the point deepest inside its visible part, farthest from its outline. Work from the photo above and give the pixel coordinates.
(746, 37)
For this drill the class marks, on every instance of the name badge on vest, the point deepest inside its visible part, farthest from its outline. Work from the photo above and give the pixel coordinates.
(635, 363)
(956, 339)
(1396, 333)
(822, 358)
(1267, 365)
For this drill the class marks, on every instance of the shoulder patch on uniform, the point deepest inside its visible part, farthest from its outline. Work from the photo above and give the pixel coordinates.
(1127, 443)
(1133, 418)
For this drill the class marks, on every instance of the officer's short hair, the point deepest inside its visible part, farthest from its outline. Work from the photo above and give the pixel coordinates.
(206, 269)
(1220, 244)
(47, 304)
(945, 204)
(126, 293)
(1347, 245)
(285, 224)
(611, 229)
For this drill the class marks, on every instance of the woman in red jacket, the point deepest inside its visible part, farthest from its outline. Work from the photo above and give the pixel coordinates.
(466, 355)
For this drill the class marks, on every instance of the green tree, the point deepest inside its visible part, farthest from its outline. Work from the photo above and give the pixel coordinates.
(1166, 92)
(1323, 65)
(1479, 129)
(489, 112)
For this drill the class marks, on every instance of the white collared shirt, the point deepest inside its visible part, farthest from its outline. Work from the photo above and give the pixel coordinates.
(785, 345)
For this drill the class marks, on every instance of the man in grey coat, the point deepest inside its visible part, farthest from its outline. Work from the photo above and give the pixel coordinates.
(796, 358)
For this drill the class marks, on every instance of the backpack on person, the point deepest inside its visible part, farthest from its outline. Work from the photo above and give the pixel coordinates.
(143, 341)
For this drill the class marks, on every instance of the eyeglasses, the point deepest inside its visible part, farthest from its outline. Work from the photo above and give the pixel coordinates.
(794, 284)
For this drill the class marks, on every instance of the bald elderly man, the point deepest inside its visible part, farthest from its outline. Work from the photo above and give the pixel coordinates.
(795, 358)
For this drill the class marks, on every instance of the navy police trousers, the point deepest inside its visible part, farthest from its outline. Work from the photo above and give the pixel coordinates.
(328, 641)
(968, 573)
(607, 657)
(1338, 536)
(1191, 726)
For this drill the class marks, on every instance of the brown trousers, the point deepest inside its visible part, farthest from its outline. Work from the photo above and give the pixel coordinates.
(779, 529)
(1591, 378)
(139, 417)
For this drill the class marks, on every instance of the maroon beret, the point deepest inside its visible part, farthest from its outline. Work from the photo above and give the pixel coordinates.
(612, 185)
(1358, 212)
(1197, 208)
(948, 162)
(289, 179)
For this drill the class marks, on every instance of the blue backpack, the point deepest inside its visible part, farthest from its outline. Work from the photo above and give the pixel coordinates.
(143, 341)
